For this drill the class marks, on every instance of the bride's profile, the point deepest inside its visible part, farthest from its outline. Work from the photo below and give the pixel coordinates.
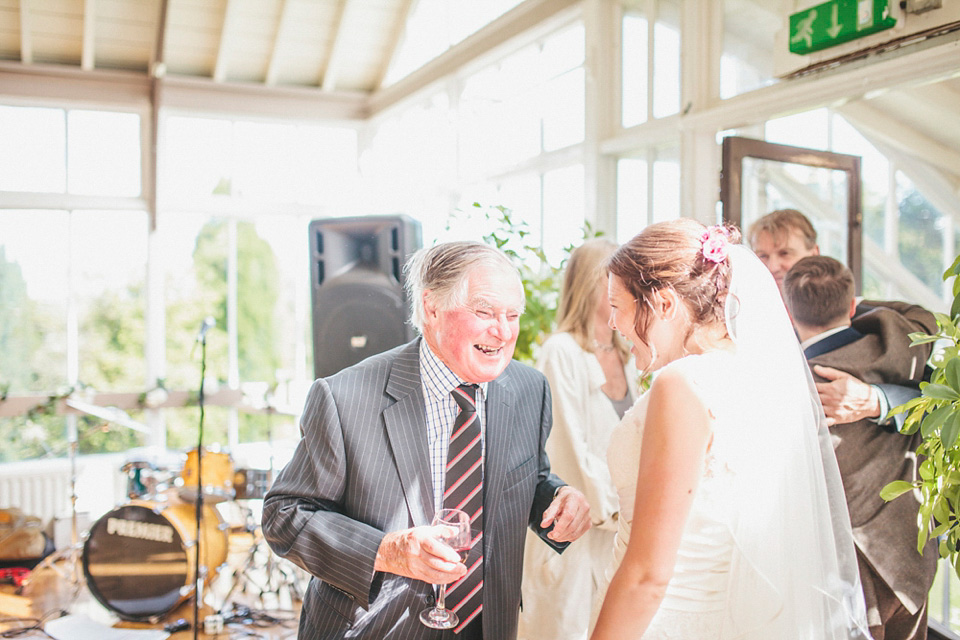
(733, 522)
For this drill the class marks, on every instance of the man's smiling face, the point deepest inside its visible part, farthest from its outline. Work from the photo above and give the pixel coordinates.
(476, 340)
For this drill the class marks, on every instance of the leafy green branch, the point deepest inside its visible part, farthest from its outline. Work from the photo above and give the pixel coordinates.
(936, 414)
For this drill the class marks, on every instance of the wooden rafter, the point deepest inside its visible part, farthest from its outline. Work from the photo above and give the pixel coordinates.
(157, 64)
(524, 16)
(283, 26)
(328, 75)
(88, 55)
(26, 40)
(226, 37)
(393, 41)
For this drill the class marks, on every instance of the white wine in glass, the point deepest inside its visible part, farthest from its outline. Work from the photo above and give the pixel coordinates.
(453, 529)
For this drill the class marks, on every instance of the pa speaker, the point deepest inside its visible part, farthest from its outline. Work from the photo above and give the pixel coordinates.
(359, 303)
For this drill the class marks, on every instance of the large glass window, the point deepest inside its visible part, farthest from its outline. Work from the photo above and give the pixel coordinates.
(650, 83)
(103, 153)
(108, 263)
(272, 162)
(72, 309)
(410, 165)
(563, 212)
(648, 190)
(32, 149)
(527, 103)
(248, 270)
(749, 27)
(632, 197)
(436, 25)
(34, 289)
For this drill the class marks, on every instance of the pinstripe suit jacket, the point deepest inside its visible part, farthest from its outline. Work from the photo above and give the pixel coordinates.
(362, 469)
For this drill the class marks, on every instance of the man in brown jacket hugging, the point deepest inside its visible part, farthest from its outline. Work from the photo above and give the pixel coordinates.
(874, 347)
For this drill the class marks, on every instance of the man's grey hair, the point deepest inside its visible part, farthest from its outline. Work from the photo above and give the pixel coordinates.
(443, 269)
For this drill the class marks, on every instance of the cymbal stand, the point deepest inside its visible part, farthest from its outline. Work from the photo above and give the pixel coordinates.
(197, 575)
(69, 555)
(262, 573)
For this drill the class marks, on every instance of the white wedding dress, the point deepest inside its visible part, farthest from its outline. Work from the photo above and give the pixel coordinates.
(698, 592)
(766, 551)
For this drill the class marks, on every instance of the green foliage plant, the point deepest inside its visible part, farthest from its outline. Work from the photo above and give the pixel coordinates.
(936, 413)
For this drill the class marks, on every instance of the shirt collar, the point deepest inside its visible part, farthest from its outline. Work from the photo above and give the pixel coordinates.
(820, 336)
(438, 379)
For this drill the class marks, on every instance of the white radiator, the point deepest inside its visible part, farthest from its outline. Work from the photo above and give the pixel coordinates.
(39, 488)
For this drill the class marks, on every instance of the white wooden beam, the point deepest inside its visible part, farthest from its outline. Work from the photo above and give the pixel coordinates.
(331, 63)
(393, 41)
(525, 16)
(59, 85)
(46, 201)
(226, 41)
(227, 98)
(702, 46)
(892, 132)
(26, 38)
(279, 35)
(601, 22)
(88, 55)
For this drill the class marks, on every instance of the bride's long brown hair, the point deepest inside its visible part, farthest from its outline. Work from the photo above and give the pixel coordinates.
(670, 255)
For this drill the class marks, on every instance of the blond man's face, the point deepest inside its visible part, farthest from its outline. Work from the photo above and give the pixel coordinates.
(779, 254)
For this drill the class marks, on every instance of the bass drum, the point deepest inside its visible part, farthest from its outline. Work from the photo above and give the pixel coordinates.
(139, 558)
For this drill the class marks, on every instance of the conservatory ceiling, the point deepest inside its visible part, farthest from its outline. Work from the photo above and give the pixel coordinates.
(346, 47)
(331, 44)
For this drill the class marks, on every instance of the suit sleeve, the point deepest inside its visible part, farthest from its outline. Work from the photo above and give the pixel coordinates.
(915, 319)
(302, 517)
(547, 482)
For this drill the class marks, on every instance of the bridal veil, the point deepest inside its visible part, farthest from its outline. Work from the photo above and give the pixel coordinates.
(794, 571)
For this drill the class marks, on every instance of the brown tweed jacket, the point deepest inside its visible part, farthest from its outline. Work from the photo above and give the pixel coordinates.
(872, 455)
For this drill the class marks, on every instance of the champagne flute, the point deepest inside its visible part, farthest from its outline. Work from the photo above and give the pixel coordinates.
(453, 529)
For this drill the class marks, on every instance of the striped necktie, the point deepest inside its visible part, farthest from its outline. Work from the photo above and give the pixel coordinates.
(464, 490)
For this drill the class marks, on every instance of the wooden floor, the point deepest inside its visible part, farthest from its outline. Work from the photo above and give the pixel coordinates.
(257, 594)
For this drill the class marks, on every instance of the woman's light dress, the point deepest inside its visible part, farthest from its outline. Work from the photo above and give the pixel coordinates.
(697, 594)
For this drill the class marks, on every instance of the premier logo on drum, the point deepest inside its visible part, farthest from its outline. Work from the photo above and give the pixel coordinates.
(141, 530)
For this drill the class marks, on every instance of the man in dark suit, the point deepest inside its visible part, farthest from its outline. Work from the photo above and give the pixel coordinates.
(354, 505)
(874, 347)
(780, 239)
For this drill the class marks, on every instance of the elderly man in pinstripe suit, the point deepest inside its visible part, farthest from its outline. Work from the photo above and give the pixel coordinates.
(354, 505)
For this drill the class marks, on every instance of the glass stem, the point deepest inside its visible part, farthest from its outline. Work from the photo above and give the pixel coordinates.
(441, 596)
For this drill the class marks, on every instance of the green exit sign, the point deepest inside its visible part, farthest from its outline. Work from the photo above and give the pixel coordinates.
(837, 21)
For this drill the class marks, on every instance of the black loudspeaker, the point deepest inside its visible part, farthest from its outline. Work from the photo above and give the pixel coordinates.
(359, 303)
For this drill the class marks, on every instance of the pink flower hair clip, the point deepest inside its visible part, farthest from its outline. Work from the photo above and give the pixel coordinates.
(715, 241)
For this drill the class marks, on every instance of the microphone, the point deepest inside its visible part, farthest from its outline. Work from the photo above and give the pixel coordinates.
(208, 322)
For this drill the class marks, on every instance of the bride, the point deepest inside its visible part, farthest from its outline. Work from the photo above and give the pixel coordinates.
(724, 465)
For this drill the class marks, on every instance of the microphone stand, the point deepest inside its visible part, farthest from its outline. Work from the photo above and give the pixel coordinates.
(198, 592)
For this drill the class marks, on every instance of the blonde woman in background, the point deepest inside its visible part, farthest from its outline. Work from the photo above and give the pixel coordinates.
(593, 382)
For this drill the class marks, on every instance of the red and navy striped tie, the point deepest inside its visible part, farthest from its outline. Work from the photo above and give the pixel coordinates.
(464, 490)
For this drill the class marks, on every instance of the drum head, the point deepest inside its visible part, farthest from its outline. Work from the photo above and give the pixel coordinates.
(135, 563)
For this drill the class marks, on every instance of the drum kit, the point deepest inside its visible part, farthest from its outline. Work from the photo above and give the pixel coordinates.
(140, 559)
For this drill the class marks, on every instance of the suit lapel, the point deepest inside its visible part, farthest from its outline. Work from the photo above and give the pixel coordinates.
(500, 408)
(832, 342)
(407, 431)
